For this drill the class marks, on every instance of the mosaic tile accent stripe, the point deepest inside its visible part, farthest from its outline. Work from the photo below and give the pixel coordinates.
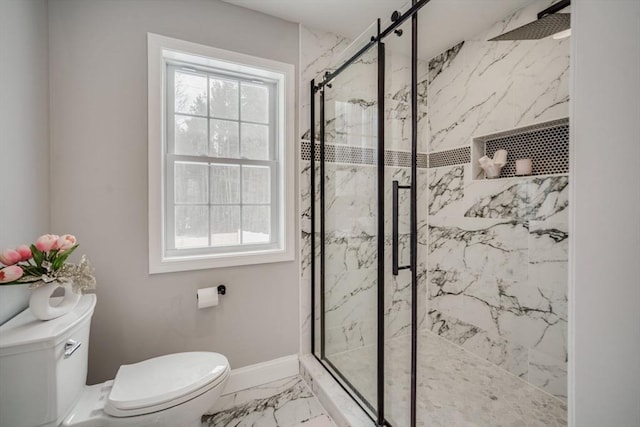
(456, 156)
(361, 156)
(546, 144)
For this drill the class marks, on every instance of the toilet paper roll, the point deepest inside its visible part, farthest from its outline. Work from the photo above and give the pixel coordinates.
(207, 297)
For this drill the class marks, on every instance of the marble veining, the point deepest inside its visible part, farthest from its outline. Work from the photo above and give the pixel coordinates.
(445, 187)
(442, 61)
(533, 199)
(283, 403)
(344, 411)
(499, 351)
(319, 51)
(481, 87)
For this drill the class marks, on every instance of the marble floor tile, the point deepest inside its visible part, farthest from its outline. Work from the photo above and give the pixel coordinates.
(283, 403)
(455, 387)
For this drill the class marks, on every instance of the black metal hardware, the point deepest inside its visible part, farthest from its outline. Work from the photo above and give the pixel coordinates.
(554, 8)
(322, 225)
(395, 16)
(222, 289)
(398, 32)
(395, 241)
(395, 24)
(414, 216)
(312, 215)
(381, 112)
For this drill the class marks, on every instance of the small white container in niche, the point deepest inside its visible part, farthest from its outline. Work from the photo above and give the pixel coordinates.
(523, 167)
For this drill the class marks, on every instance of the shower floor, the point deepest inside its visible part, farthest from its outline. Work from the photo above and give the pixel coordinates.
(454, 387)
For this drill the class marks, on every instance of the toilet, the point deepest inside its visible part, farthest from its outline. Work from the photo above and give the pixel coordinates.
(43, 371)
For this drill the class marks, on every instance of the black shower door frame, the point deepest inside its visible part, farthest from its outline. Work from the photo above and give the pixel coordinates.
(317, 89)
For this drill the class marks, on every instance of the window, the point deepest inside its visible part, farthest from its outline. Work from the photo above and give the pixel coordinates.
(220, 168)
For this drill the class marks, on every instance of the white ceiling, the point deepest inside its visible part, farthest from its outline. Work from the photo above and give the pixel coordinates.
(443, 23)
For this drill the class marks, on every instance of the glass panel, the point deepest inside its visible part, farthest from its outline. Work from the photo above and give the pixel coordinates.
(224, 139)
(256, 184)
(351, 232)
(255, 141)
(255, 103)
(191, 183)
(192, 226)
(225, 225)
(191, 136)
(256, 224)
(397, 296)
(225, 184)
(224, 98)
(190, 93)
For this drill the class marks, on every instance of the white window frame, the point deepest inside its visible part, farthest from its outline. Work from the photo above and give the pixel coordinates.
(163, 50)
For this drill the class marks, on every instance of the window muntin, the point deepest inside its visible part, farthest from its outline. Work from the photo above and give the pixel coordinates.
(221, 162)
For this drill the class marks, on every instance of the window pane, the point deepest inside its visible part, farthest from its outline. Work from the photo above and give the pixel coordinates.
(190, 93)
(225, 184)
(191, 136)
(224, 139)
(256, 224)
(255, 141)
(191, 182)
(256, 184)
(192, 226)
(255, 103)
(225, 225)
(224, 98)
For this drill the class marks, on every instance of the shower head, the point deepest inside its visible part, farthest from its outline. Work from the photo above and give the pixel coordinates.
(549, 22)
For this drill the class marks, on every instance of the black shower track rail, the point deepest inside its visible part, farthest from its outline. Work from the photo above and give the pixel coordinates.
(399, 20)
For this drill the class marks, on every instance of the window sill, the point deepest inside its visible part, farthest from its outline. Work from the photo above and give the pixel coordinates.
(203, 262)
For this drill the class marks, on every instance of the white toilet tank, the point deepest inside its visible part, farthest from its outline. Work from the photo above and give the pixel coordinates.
(43, 366)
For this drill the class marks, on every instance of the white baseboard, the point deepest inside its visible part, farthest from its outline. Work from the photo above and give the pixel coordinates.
(262, 373)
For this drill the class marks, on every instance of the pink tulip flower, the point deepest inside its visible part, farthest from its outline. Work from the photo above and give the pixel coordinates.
(25, 252)
(10, 257)
(66, 241)
(11, 273)
(47, 242)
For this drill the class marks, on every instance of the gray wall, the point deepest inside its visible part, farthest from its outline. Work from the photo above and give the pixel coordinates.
(606, 211)
(98, 78)
(24, 136)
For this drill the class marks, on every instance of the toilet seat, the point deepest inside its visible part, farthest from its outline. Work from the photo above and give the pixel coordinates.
(162, 382)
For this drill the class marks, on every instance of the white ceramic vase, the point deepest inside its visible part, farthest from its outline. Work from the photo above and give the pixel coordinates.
(44, 308)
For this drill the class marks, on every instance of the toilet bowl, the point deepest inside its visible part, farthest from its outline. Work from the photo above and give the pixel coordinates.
(43, 367)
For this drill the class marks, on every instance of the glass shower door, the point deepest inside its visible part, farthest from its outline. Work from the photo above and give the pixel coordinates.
(398, 277)
(350, 226)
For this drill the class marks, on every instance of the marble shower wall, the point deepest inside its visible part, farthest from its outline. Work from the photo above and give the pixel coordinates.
(479, 87)
(319, 51)
(497, 254)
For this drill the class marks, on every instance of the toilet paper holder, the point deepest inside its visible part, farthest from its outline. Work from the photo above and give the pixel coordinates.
(222, 289)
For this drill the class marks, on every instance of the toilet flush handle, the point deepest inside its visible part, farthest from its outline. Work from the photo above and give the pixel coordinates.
(70, 347)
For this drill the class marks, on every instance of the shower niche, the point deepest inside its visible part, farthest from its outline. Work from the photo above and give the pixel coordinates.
(546, 144)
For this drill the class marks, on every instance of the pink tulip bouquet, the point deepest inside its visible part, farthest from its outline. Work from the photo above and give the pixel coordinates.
(44, 262)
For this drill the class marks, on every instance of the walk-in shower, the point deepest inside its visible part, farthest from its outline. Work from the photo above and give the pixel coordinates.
(439, 295)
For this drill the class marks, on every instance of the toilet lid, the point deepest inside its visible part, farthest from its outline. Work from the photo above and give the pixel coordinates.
(161, 380)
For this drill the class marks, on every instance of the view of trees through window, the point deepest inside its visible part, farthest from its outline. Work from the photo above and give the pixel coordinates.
(222, 155)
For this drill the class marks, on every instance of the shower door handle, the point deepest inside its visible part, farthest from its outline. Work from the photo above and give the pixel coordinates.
(395, 243)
